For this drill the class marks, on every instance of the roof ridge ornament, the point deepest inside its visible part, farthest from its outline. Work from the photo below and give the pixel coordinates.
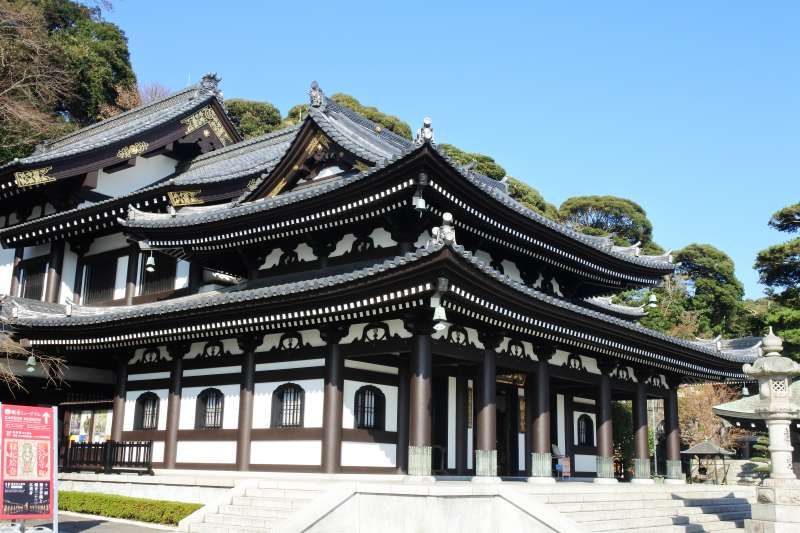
(425, 133)
(315, 96)
(210, 81)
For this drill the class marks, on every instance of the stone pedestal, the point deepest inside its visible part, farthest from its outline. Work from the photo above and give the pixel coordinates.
(605, 470)
(777, 509)
(541, 468)
(419, 461)
(485, 466)
(641, 472)
(675, 473)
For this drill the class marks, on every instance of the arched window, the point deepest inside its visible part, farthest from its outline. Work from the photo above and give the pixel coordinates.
(288, 402)
(585, 430)
(146, 413)
(208, 414)
(370, 406)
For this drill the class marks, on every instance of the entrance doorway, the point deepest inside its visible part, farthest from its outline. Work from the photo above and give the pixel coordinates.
(507, 430)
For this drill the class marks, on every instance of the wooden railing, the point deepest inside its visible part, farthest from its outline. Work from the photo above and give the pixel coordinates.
(109, 457)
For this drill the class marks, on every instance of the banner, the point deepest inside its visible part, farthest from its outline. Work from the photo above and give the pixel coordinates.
(27, 466)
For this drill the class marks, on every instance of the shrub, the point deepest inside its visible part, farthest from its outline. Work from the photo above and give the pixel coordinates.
(141, 509)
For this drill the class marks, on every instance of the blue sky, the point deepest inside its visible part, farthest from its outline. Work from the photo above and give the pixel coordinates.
(688, 108)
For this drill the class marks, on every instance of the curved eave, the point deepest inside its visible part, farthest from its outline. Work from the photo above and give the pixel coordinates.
(586, 330)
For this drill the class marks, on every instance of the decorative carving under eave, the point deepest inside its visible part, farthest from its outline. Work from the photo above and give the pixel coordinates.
(150, 355)
(36, 176)
(574, 362)
(213, 349)
(457, 335)
(132, 150)
(621, 372)
(376, 332)
(181, 198)
(656, 381)
(252, 184)
(515, 349)
(207, 117)
(290, 341)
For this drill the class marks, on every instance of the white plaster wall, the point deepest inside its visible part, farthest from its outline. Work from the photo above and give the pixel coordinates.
(368, 454)
(6, 270)
(148, 375)
(451, 422)
(106, 243)
(262, 402)
(230, 409)
(585, 463)
(35, 251)
(212, 371)
(575, 414)
(561, 440)
(145, 172)
(181, 274)
(120, 279)
(68, 271)
(587, 401)
(285, 365)
(285, 452)
(130, 408)
(212, 451)
(348, 414)
(158, 451)
(363, 365)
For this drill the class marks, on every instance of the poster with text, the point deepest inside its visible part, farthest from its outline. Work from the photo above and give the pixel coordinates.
(26, 465)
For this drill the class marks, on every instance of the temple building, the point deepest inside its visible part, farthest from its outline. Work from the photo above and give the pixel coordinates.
(330, 297)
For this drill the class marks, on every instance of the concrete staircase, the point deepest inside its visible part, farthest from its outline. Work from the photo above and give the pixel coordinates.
(651, 509)
(258, 508)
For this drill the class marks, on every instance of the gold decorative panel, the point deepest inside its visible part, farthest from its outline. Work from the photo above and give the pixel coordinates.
(207, 117)
(29, 178)
(132, 150)
(180, 198)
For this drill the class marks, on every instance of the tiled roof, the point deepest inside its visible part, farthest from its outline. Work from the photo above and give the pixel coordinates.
(125, 125)
(745, 408)
(706, 448)
(606, 303)
(37, 314)
(257, 155)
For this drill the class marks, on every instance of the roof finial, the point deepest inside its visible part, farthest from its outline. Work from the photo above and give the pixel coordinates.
(425, 133)
(315, 95)
(210, 81)
(446, 233)
(771, 344)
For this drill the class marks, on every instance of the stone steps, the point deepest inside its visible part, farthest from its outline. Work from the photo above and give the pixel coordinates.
(260, 509)
(682, 509)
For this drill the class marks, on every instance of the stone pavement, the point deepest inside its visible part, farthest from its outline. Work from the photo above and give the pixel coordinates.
(80, 524)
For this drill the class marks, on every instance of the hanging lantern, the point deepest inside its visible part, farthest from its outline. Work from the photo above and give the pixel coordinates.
(652, 301)
(150, 265)
(31, 364)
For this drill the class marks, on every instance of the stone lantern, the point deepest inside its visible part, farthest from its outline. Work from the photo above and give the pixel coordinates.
(778, 506)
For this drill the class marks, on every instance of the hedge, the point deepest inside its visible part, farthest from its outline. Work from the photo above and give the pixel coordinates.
(141, 509)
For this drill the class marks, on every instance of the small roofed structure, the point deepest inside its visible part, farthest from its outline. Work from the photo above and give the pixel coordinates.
(704, 451)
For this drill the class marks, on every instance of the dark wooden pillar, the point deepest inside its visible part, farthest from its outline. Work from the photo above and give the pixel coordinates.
(605, 432)
(248, 345)
(542, 457)
(130, 279)
(461, 421)
(421, 399)
(486, 445)
(672, 425)
(54, 267)
(176, 351)
(641, 452)
(16, 272)
(120, 388)
(403, 384)
(333, 401)
(530, 406)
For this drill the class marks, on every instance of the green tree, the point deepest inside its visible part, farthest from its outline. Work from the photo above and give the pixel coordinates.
(295, 115)
(483, 163)
(778, 268)
(95, 52)
(531, 198)
(715, 291)
(253, 118)
(33, 81)
(606, 215)
(390, 122)
(622, 429)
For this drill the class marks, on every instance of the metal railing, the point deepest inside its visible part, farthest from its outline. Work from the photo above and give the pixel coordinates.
(109, 457)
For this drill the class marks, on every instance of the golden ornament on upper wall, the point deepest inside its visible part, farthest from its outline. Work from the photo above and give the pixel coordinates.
(29, 178)
(207, 117)
(132, 150)
(181, 198)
